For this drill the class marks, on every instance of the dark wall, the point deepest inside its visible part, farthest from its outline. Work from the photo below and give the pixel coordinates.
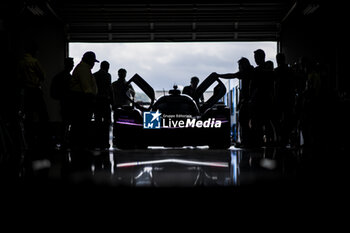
(322, 37)
(18, 26)
(319, 37)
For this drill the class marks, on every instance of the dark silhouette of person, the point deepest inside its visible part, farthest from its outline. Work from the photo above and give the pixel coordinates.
(60, 83)
(315, 97)
(121, 90)
(191, 89)
(103, 103)
(301, 69)
(261, 87)
(245, 74)
(60, 90)
(122, 93)
(284, 99)
(31, 77)
(83, 92)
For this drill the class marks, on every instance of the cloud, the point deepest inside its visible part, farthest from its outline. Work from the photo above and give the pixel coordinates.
(164, 64)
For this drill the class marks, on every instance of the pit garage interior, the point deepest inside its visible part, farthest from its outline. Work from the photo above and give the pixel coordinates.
(301, 28)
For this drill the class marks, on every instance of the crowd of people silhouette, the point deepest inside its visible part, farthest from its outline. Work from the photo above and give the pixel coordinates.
(278, 106)
(91, 97)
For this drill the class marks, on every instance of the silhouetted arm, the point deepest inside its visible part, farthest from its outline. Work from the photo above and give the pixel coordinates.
(238, 75)
(229, 75)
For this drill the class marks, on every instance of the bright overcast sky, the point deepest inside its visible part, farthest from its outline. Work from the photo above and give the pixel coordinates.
(164, 64)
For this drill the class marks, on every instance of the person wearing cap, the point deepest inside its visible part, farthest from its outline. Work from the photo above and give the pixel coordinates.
(83, 90)
(83, 81)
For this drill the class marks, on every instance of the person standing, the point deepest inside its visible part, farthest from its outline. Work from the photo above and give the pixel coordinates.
(123, 93)
(60, 91)
(261, 88)
(191, 89)
(83, 90)
(31, 77)
(284, 99)
(122, 90)
(245, 75)
(103, 104)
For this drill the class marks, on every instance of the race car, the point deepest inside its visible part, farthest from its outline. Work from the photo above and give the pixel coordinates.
(175, 119)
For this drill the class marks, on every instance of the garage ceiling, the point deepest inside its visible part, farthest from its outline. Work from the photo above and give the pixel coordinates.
(116, 21)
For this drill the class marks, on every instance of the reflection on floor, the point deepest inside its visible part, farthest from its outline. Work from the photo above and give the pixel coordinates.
(169, 167)
(196, 176)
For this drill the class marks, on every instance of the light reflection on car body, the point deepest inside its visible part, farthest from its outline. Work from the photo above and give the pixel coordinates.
(172, 172)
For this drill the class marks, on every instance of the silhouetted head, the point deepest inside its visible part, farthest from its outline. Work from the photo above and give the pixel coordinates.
(68, 63)
(89, 58)
(104, 66)
(259, 56)
(244, 64)
(269, 65)
(194, 82)
(280, 59)
(122, 73)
